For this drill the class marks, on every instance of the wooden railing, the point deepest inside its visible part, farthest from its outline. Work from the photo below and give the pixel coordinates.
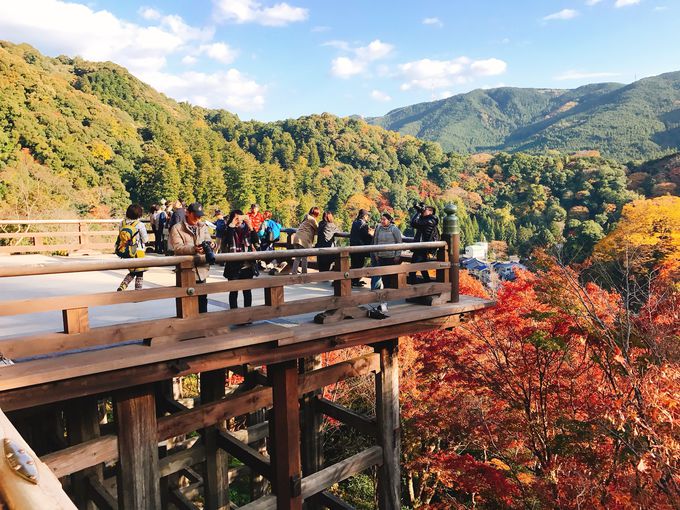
(57, 235)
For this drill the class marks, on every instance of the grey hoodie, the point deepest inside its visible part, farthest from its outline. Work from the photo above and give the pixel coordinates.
(387, 235)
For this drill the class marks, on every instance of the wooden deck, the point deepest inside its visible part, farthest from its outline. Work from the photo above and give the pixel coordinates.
(62, 375)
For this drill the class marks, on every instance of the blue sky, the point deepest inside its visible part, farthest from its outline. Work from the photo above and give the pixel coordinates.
(268, 59)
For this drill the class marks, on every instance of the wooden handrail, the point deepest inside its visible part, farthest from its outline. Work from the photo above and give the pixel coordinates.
(77, 267)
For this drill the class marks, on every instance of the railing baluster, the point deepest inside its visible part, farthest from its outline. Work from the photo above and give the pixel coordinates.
(186, 278)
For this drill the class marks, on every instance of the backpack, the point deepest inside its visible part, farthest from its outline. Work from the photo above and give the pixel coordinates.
(272, 232)
(220, 228)
(126, 245)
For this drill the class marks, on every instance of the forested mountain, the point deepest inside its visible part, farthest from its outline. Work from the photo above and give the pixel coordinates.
(85, 138)
(624, 122)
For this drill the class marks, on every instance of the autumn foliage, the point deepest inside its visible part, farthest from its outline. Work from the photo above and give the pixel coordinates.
(559, 397)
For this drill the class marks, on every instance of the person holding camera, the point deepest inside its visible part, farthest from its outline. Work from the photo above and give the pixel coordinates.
(237, 240)
(191, 236)
(426, 225)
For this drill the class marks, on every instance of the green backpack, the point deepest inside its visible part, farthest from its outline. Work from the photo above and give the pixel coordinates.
(126, 245)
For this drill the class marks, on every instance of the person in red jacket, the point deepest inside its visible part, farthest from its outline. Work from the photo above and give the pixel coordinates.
(256, 220)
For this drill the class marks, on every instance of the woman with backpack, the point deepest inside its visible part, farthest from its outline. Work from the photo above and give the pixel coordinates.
(237, 240)
(132, 237)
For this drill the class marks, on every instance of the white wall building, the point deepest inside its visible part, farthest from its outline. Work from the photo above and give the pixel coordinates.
(479, 250)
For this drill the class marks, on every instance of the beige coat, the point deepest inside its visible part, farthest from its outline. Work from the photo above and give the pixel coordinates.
(306, 232)
(184, 243)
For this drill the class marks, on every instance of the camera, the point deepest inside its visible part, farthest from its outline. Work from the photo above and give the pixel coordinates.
(419, 207)
(209, 252)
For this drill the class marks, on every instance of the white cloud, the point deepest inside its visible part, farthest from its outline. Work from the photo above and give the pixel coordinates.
(626, 3)
(320, 28)
(219, 51)
(381, 96)
(561, 15)
(149, 13)
(251, 11)
(581, 75)
(189, 60)
(224, 89)
(59, 27)
(660, 8)
(362, 57)
(593, 2)
(433, 21)
(441, 74)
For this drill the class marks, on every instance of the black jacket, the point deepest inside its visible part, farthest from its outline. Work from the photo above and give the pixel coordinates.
(426, 228)
(359, 234)
(324, 236)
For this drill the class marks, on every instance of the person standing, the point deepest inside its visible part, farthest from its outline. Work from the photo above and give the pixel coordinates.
(256, 219)
(132, 237)
(187, 238)
(237, 240)
(153, 210)
(425, 223)
(325, 238)
(220, 229)
(359, 235)
(385, 233)
(304, 238)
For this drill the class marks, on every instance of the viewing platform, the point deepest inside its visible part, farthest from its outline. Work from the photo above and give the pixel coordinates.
(124, 350)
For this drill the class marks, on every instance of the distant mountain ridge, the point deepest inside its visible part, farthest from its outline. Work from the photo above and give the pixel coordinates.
(626, 122)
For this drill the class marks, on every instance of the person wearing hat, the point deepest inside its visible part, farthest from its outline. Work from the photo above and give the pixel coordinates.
(359, 235)
(385, 233)
(187, 238)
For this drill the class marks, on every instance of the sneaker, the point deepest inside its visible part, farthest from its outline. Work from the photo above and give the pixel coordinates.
(383, 307)
(375, 313)
(122, 287)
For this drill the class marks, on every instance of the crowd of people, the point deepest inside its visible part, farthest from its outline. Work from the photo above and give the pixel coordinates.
(181, 230)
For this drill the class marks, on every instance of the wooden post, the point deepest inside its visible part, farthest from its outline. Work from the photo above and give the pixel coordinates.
(82, 227)
(312, 444)
(452, 238)
(285, 436)
(138, 476)
(273, 296)
(82, 424)
(387, 415)
(258, 483)
(343, 287)
(186, 278)
(75, 320)
(216, 481)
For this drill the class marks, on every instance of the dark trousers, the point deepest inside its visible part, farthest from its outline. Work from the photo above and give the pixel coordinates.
(202, 300)
(357, 261)
(324, 262)
(236, 271)
(419, 256)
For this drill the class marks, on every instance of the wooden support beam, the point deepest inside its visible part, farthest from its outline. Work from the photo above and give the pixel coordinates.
(176, 462)
(331, 501)
(82, 424)
(285, 435)
(253, 434)
(249, 456)
(100, 497)
(344, 415)
(312, 444)
(256, 421)
(322, 480)
(138, 475)
(264, 503)
(75, 320)
(355, 367)
(216, 487)
(343, 287)
(387, 415)
(82, 456)
(186, 278)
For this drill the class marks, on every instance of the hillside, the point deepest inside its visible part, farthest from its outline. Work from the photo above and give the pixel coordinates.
(625, 122)
(83, 138)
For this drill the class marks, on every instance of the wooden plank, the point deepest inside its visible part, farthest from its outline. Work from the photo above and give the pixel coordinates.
(273, 296)
(216, 482)
(102, 498)
(75, 320)
(264, 503)
(343, 287)
(94, 362)
(355, 367)
(344, 415)
(58, 233)
(187, 306)
(387, 416)
(18, 493)
(252, 434)
(82, 424)
(312, 444)
(137, 474)
(331, 501)
(249, 456)
(285, 436)
(175, 462)
(14, 348)
(322, 480)
(81, 456)
(309, 339)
